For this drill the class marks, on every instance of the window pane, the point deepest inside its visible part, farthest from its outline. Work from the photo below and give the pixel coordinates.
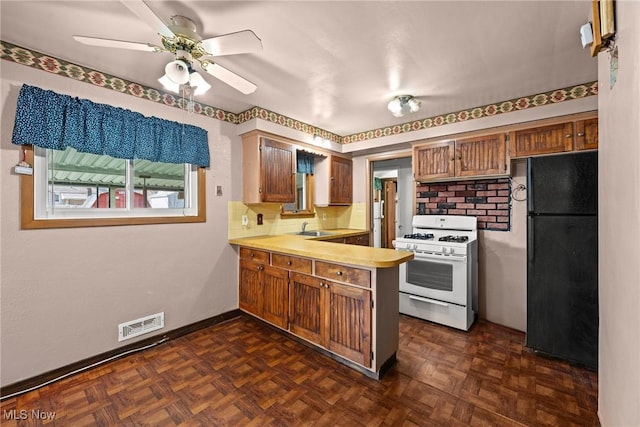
(85, 181)
(158, 185)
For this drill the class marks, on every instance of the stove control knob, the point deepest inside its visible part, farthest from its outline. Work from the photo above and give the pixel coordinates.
(415, 246)
(452, 250)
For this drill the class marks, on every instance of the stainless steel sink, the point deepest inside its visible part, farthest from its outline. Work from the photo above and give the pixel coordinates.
(316, 233)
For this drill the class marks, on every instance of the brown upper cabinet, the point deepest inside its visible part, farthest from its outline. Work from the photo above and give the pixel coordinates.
(555, 138)
(541, 140)
(334, 181)
(480, 156)
(587, 134)
(269, 170)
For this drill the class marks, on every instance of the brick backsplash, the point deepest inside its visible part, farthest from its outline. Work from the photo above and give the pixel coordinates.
(486, 199)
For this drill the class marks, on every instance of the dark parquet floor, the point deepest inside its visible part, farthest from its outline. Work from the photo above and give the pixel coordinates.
(242, 373)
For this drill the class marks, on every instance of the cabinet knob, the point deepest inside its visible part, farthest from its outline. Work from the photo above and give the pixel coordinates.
(339, 273)
(260, 267)
(288, 262)
(568, 135)
(580, 133)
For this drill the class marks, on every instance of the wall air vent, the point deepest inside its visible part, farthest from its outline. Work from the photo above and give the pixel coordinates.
(140, 326)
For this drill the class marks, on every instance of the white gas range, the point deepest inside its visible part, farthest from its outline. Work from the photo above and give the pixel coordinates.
(441, 283)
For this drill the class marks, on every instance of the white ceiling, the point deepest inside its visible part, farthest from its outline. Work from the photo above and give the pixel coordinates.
(336, 64)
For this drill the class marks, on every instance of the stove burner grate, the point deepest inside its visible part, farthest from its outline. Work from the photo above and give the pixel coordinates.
(456, 239)
(419, 236)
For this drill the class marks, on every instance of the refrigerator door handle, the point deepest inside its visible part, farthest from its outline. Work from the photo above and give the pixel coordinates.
(530, 204)
(381, 208)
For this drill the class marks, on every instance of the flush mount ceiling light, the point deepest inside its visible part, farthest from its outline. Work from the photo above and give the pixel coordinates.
(403, 104)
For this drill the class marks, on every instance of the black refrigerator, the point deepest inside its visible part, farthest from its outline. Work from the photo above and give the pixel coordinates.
(562, 257)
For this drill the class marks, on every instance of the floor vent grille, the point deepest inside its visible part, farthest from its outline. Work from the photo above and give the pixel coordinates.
(140, 326)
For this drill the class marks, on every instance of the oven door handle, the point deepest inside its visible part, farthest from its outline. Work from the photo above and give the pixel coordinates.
(439, 257)
(430, 301)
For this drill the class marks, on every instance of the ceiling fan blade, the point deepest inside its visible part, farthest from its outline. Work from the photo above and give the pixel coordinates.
(229, 77)
(244, 41)
(142, 11)
(95, 41)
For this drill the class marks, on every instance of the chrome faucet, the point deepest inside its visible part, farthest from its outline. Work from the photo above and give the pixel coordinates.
(304, 225)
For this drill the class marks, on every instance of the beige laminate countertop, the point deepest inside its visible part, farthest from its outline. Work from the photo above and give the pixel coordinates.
(314, 247)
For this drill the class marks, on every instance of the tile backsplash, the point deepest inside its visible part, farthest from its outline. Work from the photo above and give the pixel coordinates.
(487, 199)
(326, 218)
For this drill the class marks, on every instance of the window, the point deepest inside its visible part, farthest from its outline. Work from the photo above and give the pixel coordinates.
(303, 206)
(74, 189)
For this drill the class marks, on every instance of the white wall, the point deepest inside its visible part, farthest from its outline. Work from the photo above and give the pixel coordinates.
(502, 264)
(619, 226)
(65, 291)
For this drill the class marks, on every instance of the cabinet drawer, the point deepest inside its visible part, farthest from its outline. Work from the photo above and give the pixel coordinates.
(288, 262)
(260, 256)
(341, 273)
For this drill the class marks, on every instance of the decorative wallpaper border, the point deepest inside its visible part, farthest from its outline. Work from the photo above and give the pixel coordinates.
(41, 61)
(61, 67)
(523, 103)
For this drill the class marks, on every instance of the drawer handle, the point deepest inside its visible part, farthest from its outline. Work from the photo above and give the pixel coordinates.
(568, 135)
(580, 133)
(260, 267)
(288, 262)
(428, 300)
(339, 273)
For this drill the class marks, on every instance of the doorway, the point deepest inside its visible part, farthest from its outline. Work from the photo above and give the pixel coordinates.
(392, 200)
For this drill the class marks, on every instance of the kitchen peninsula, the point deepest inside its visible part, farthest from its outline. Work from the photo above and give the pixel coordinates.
(341, 299)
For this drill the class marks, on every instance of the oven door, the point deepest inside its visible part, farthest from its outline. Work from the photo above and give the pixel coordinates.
(438, 277)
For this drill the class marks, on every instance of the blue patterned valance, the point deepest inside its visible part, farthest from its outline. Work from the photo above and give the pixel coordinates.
(51, 120)
(304, 162)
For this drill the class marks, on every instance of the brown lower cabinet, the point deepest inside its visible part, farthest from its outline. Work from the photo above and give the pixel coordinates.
(330, 305)
(333, 315)
(264, 291)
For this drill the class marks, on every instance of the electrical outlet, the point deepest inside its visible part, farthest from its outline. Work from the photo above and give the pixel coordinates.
(324, 216)
(245, 220)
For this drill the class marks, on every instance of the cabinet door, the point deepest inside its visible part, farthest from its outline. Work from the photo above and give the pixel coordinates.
(250, 288)
(275, 308)
(341, 184)
(587, 134)
(541, 140)
(483, 155)
(348, 322)
(435, 160)
(361, 239)
(277, 172)
(305, 302)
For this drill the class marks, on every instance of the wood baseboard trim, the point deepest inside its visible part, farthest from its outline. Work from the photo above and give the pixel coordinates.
(23, 386)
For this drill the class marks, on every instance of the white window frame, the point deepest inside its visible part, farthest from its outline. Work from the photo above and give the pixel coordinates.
(42, 211)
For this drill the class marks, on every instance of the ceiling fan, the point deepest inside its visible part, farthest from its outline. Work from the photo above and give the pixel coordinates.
(181, 38)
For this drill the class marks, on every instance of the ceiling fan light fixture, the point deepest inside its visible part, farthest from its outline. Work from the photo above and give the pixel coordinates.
(402, 105)
(169, 84)
(199, 84)
(177, 71)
